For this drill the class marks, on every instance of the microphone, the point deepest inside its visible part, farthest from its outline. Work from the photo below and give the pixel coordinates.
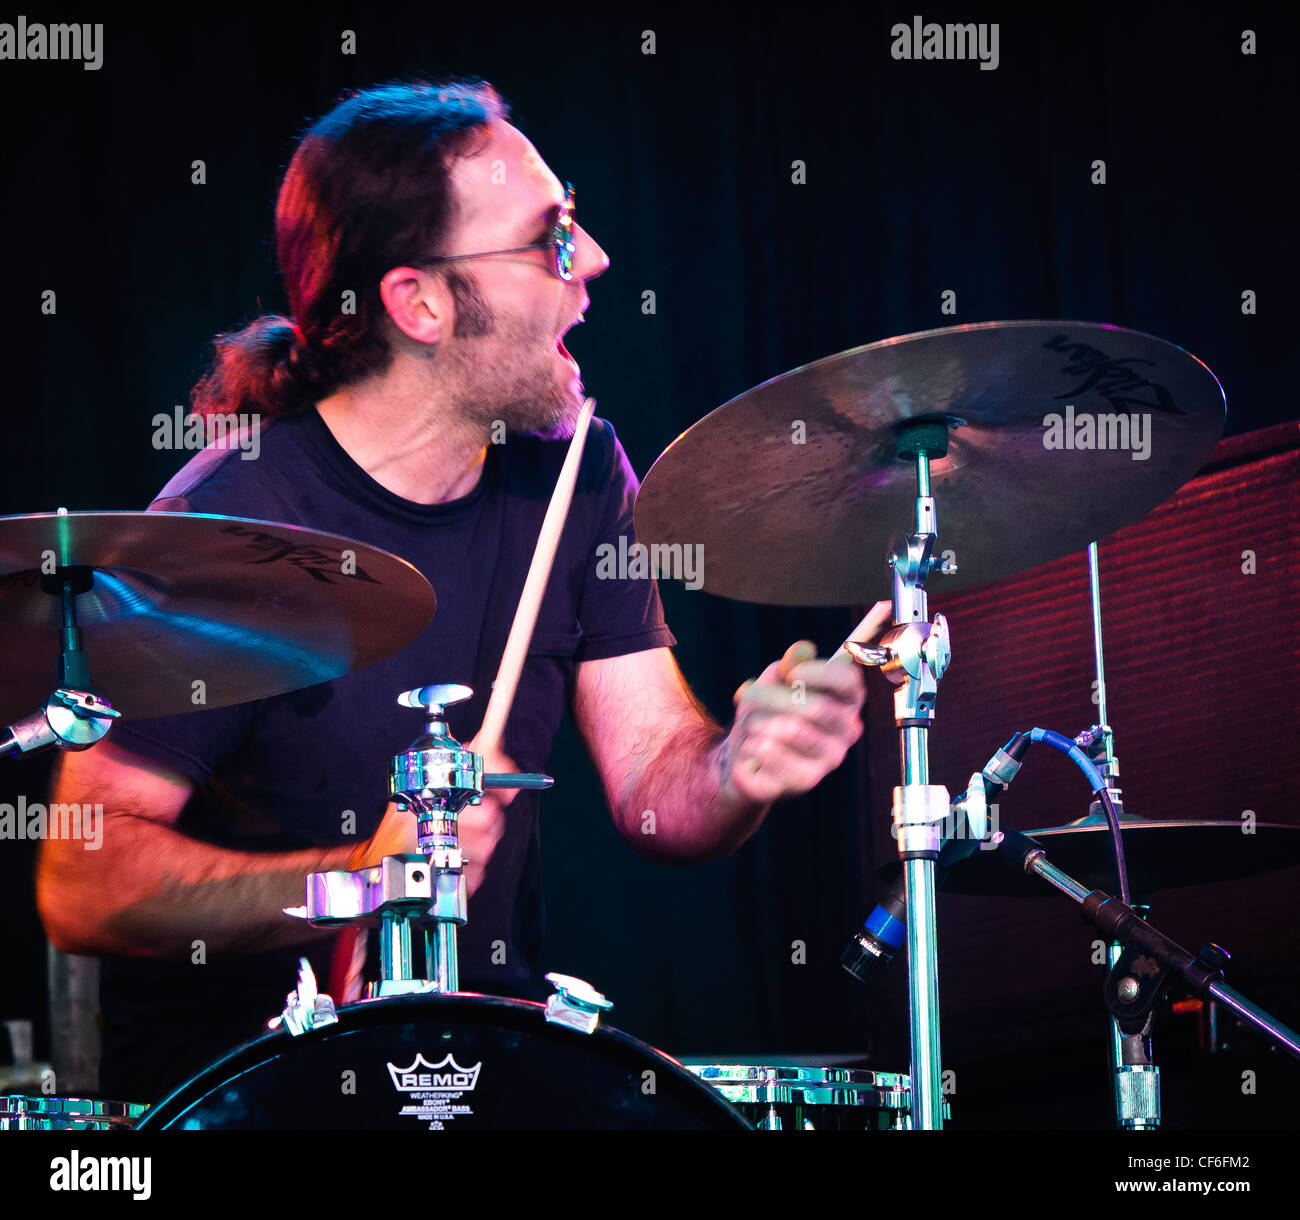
(872, 948)
(883, 932)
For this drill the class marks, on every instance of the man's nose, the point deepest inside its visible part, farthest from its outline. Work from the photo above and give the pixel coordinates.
(590, 258)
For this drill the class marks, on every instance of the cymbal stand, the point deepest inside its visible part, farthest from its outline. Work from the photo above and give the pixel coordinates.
(914, 655)
(76, 715)
(421, 895)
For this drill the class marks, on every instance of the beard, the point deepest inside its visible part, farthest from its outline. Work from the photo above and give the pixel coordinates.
(508, 375)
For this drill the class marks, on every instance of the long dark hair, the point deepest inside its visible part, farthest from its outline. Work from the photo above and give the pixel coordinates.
(367, 189)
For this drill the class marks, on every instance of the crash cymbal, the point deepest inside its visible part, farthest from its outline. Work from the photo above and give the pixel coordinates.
(1161, 855)
(247, 608)
(793, 490)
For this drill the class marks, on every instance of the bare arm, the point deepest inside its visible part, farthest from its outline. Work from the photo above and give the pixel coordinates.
(150, 891)
(680, 788)
(660, 758)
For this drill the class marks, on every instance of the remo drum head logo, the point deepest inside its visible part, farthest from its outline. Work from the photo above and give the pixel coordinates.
(435, 1078)
(435, 1089)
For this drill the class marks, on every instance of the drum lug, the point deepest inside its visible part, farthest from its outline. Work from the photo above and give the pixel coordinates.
(305, 1008)
(575, 1003)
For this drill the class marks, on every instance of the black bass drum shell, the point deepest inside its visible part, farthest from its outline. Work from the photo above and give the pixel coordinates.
(458, 1062)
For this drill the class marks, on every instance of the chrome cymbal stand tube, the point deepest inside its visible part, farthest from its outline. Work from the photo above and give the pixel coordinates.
(1109, 767)
(1135, 1080)
(914, 655)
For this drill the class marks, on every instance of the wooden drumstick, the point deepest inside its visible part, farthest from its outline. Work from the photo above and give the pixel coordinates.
(488, 738)
(868, 631)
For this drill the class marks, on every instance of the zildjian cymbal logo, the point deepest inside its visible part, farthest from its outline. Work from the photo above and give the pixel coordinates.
(319, 564)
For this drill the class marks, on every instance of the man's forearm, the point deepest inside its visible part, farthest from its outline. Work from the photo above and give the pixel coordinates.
(682, 809)
(153, 892)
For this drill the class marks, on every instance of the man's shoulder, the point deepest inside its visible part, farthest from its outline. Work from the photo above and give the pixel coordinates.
(233, 473)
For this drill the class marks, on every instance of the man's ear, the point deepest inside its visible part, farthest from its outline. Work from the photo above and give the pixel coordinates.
(419, 303)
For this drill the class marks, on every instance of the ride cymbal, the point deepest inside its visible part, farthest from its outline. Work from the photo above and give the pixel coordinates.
(793, 490)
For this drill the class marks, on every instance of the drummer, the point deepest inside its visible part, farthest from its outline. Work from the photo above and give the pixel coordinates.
(418, 398)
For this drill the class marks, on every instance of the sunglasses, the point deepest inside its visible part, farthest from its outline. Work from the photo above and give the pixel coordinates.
(560, 242)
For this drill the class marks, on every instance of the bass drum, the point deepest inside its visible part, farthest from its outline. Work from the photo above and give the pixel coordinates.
(444, 1062)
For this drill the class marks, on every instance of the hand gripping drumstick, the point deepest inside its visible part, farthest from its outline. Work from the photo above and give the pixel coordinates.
(488, 738)
(868, 631)
(860, 641)
(349, 955)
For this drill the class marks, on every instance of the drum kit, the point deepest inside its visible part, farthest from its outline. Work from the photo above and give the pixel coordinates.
(1037, 438)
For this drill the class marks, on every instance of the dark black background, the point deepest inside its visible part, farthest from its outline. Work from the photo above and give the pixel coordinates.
(921, 177)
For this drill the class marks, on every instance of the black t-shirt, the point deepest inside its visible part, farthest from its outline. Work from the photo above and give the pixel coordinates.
(279, 774)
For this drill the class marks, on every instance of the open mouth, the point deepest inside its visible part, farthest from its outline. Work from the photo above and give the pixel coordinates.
(559, 343)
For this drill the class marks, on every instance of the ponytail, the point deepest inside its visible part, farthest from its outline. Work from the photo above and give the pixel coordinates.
(268, 368)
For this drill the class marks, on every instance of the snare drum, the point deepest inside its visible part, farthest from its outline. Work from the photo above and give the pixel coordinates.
(783, 1098)
(68, 1114)
(444, 1062)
